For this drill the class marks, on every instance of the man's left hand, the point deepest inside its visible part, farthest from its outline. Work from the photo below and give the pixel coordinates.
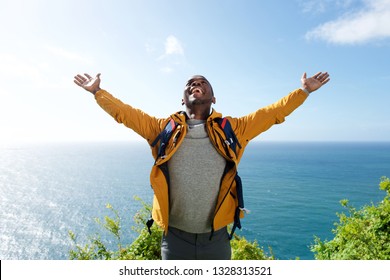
(315, 82)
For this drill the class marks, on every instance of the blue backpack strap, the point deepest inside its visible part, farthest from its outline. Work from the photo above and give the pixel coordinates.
(164, 137)
(232, 141)
(231, 138)
(240, 207)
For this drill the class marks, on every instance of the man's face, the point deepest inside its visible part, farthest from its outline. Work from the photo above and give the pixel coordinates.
(198, 91)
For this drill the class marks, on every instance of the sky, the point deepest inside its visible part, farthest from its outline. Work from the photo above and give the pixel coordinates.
(252, 52)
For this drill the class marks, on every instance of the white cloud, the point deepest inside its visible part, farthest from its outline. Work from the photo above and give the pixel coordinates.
(321, 6)
(370, 23)
(173, 55)
(312, 6)
(173, 46)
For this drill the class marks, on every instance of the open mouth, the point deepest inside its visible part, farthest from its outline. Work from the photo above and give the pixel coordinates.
(196, 90)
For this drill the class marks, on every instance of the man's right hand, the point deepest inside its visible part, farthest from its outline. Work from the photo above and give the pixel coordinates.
(88, 83)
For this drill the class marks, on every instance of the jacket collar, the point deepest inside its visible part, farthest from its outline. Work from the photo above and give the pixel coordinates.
(181, 116)
(214, 114)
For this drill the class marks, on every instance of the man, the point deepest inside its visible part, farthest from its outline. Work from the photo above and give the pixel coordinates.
(194, 180)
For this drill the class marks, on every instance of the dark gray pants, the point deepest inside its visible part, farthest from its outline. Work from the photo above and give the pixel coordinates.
(181, 245)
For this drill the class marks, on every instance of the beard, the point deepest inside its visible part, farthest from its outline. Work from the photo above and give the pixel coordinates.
(201, 102)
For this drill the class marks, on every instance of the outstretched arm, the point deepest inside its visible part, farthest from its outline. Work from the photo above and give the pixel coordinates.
(145, 125)
(257, 122)
(315, 82)
(88, 83)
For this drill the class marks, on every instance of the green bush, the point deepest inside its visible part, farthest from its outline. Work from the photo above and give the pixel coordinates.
(242, 249)
(362, 235)
(146, 246)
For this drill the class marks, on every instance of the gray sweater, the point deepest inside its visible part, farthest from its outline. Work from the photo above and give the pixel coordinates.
(195, 172)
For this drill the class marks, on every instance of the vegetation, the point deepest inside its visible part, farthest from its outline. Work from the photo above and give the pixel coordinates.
(362, 235)
(146, 246)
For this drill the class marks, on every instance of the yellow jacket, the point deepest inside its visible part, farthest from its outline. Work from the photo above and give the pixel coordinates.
(245, 128)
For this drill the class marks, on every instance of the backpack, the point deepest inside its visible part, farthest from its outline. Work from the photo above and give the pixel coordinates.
(230, 140)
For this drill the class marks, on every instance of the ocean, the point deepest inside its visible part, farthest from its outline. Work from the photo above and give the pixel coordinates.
(293, 190)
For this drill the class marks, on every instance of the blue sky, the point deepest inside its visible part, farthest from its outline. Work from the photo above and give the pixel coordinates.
(253, 53)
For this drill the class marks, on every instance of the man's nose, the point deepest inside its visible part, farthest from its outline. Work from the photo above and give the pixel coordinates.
(195, 83)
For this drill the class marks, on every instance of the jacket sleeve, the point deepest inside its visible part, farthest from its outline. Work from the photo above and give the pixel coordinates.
(250, 126)
(143, 124)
